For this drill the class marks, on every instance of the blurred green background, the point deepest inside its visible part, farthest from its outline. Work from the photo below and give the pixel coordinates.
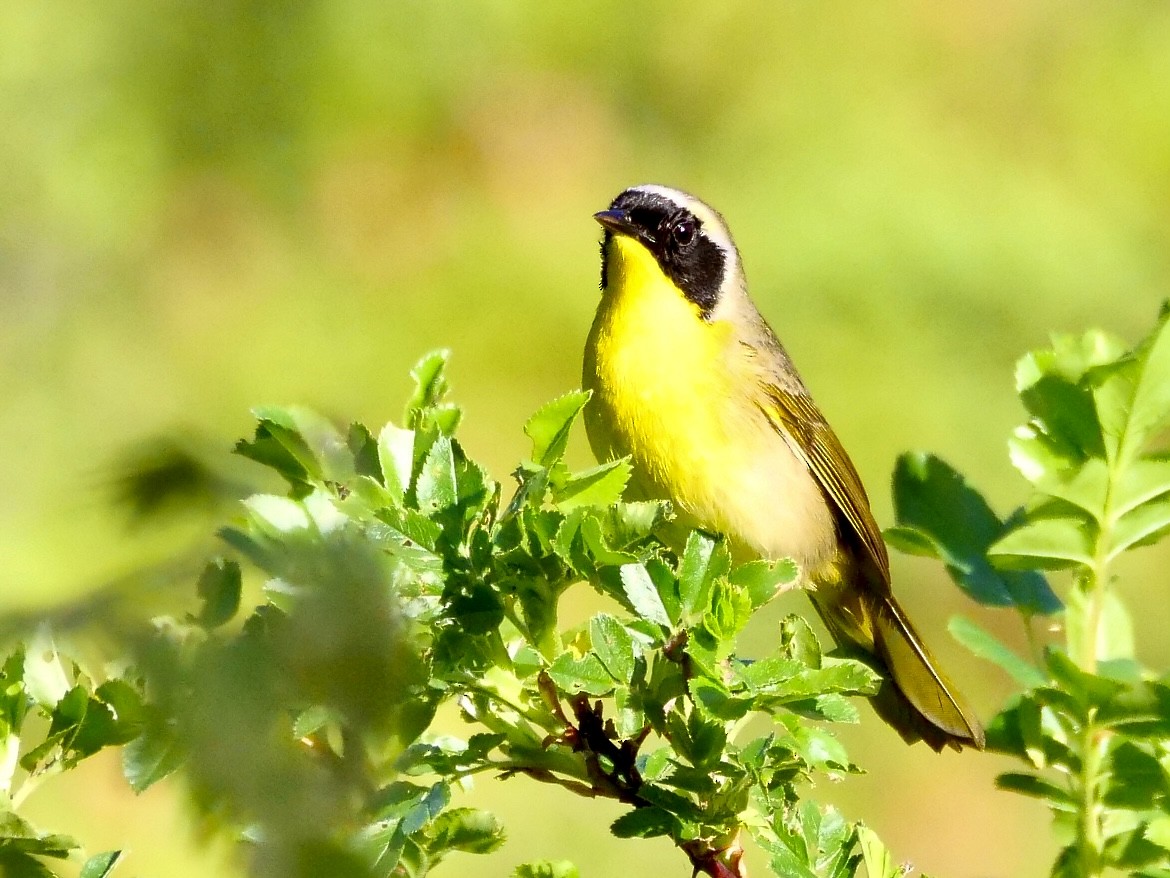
(207, 206)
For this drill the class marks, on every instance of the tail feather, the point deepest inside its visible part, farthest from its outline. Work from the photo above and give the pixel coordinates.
(936, 713)
(915, 698)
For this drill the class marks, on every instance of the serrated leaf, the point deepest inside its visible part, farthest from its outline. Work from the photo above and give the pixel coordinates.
(1082, 482)
(430, 386)
(549, 427)
(798, 642)
(586, 674)
(695, 573)
(396, 459)
(647, 822)
(764, 580)
(987, 646)
(436, 487)
(600, 486)
(1158, 831)
(151, 756)
(471, 830)
(613, 645)
(643, 595)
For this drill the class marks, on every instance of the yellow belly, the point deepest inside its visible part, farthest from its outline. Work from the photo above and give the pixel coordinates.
(669, 391)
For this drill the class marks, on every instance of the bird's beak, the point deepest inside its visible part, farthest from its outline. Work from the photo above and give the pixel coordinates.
(619, 222)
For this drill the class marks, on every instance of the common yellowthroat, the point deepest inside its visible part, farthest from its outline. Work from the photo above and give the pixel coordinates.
(691, 383)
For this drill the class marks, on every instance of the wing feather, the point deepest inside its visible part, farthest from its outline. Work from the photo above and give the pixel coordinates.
(796, 417)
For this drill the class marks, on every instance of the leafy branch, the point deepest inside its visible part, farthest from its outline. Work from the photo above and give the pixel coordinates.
(391, 578)
(1093, 725)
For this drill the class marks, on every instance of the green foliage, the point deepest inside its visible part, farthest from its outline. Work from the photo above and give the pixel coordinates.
(53, 715)
(1092, 726)
(391, 578)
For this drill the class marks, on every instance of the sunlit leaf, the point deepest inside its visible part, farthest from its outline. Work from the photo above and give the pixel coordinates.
(549, 427)
(643, 594)
(1045, 542)
(396, 459)
(585, 674)
(600, 486)
(613, 645)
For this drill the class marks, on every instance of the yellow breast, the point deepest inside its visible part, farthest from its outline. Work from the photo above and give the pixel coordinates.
(674, 392)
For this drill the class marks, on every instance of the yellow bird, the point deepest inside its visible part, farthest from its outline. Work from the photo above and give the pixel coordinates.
(691, 383)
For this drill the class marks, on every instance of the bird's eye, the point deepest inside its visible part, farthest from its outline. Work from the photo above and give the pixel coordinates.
(683, 232)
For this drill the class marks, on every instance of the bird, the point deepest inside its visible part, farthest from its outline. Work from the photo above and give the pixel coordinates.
(689, 382)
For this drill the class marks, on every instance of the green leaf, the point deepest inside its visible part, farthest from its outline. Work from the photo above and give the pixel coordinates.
(1134, 778)
(952, 521)
(44, 675)
(100, 865)
(546, 869)
(1089, 690)
(1133, 395)
(643, 594)
(1051, 387)
(219, 588)
(549, 427)
(763, 580)
(600, 486)
(613, 645)
(1141, 526)
(696, 572)
(1050, 543)
(471, 830)
(1038, 788)
(1048, 466)
(18, 864)
(798, 642)
(276, 515)
(987, 646)
(436, 489)
(585, 674)
(879, 863)
(729, 611)
(1158, 831)
(426, 408)
(396, 459)
(152, 755)
(1143, 480)
(647, 822)
(912, 541)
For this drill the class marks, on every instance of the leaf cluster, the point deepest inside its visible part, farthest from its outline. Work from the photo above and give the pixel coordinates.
(298, 691)
(1093, 724)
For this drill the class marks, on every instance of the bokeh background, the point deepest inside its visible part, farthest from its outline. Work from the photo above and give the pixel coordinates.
(208, 206)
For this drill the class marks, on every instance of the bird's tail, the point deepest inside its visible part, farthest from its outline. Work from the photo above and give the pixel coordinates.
(915, 698)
